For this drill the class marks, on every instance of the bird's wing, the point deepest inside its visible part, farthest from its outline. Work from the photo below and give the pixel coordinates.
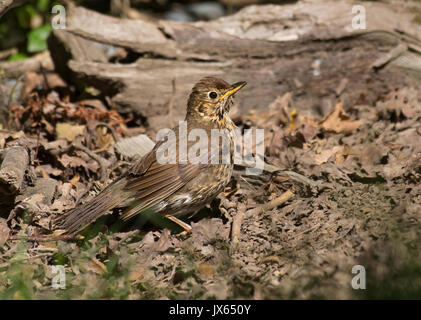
(144, 185)
(81, 216)
(150, 182)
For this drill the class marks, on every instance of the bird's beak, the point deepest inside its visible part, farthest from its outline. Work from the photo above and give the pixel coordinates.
(234, 88)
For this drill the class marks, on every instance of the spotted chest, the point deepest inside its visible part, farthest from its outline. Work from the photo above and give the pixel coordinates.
(208, 184)
(195, 195)
(198, 192)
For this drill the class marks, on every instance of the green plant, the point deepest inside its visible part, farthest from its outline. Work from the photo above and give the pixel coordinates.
(27, 28)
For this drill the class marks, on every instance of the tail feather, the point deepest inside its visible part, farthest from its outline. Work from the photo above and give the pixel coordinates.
(78, 218)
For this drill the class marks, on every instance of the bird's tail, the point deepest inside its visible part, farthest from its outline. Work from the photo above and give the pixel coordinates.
(78, 218)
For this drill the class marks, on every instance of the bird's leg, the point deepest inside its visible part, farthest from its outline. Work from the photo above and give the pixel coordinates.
(187, 228)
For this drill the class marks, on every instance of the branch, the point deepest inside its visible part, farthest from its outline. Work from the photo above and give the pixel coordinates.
(12, 169)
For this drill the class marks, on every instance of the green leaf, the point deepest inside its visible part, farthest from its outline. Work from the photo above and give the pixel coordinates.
(24, 15)
(42, 5)
(37, 38)
(17, 56)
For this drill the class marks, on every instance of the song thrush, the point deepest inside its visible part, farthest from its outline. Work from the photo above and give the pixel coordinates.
(171, 189)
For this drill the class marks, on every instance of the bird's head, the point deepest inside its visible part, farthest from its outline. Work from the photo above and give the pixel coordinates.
(211, 98)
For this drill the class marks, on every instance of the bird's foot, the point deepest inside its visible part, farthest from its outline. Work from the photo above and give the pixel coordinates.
(187, 228)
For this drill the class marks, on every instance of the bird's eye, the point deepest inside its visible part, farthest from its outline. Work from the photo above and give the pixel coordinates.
(213, 95)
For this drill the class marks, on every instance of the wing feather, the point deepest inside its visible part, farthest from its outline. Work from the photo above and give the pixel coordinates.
(143, 187)
(160, 185)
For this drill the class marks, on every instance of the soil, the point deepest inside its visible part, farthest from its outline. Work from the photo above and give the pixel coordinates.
(364, 209)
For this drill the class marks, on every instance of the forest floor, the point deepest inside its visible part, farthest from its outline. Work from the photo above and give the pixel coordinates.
(365, 209)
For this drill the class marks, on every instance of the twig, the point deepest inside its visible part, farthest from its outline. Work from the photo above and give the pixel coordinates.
(389, 56)
(37, 146)
(305, 231)
(44, 76)
(236, 223)
(171, 104)
(44, 238)
(47, 254)
(290, 174)
(298, 178)
(8, 52)
(249, 184)
(103, 163)
(80, 196)
(12, 92)
(345, 233)
(12, 169)
(113, 133)
(271, 204)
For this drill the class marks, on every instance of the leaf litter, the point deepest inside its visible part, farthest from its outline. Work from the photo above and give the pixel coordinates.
(239, 247)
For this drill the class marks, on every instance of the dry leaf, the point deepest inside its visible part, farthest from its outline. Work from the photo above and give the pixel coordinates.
(338, 121)
(205, 270)
(339, 151)
(48, 127)
(96, 266)
(325, 155)
(47, 169)
(136, 274)
(96, 103)
(75, 180)
(345, 151)
(69, 131)
(58, 232)
(4, 134)
(69, 161)
(49, 244)
(105, 139)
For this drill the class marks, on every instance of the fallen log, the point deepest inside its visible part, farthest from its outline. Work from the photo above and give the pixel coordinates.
(307, 48)
(12, 169)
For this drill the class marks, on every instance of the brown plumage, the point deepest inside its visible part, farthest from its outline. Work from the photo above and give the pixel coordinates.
(171, 189)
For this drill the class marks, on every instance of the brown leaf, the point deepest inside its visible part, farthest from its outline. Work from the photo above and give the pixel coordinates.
(75, 179)
(69, 161)
(96, 103)
(205, 270)
(69, 131)
(308, 131)
(48, 127)
(49, 244)
(136, 274)
(403, 102)
(6, 135)
(105, 139)
(372, 154)
(206, 230)
(96, 266)
(325, 155)
(271, 259)
(338, 121)
(34, 80)
(164, 241)
(338, 151)
(47, 169)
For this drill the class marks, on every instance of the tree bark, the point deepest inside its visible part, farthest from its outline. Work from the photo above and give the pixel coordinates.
(12, 169)
(309, 49)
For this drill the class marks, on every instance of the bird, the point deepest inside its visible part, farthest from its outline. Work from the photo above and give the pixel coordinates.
(178, 188)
